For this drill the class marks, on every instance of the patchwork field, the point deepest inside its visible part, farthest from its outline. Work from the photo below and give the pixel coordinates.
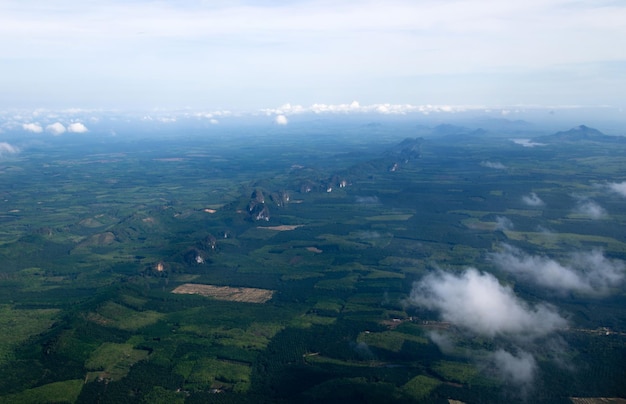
(320, 268)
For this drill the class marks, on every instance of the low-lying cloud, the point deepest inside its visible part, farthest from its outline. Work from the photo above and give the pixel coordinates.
(32, 127)
(589, 273)
(590, 209)
(618, 187)
(491, 164)
(6, 148)
(527, 143)
(503, 223)
(77, 127)
(519, 369)
(478, 302)
(281, 120)
(56, 128)
(356, 107)
(532, 200)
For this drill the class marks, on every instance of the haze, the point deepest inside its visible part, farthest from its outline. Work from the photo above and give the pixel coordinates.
(244, 55)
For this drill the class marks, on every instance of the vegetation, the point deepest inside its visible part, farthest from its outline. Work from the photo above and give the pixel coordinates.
(98, 237)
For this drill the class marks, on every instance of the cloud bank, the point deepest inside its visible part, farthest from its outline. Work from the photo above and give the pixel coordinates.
(356, 107)
(477, 302)
(589, 273)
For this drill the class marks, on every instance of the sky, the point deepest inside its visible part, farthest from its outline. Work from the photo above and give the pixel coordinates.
(250, 55)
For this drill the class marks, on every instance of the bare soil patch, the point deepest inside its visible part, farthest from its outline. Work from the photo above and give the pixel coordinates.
(248, 295)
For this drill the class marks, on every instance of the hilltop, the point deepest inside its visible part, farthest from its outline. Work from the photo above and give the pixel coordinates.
(582, 133)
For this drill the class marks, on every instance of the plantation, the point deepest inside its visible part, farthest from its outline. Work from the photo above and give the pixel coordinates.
(243, 270)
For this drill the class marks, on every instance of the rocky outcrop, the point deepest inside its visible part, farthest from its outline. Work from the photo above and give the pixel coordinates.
(280, 198)
(406, 151)
(257, 209)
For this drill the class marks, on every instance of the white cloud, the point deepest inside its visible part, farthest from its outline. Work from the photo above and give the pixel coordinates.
(166, 119)
(443, 341)
(589, 272)
(479, 303)
(6, 148)
(77, 127)
(56, 128)
(591, 209)
(32, 127)
(495, 165)
(281, 120)
(519, 369)
(527, 143)
(356, 107)
(619, 187)
(214, 121)
(532, 200)
(503, 223)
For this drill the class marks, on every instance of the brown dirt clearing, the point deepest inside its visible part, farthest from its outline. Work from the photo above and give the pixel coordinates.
(248, 295)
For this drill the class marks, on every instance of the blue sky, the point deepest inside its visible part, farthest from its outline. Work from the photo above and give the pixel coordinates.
(245, 55)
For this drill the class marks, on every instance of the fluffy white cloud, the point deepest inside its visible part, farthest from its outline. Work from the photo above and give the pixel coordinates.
(6, 148)
(589, 272)
(519, 369)
(532, 200)
(619, 187)
(281, 120)
(56, 128)
(479, 303)
(77, 127)
(32, 127)
(503, 223)
(591, 209)
(496, 165)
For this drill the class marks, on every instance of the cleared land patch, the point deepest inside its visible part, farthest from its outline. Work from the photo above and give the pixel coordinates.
(248, 295)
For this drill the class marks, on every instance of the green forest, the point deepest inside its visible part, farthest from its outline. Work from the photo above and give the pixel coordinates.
(320, 268)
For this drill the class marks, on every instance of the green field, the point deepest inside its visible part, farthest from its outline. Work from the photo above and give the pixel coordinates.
(96, 234)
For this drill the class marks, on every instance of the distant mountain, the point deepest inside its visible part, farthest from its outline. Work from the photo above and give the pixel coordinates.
(581, 133)
(456, 132)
